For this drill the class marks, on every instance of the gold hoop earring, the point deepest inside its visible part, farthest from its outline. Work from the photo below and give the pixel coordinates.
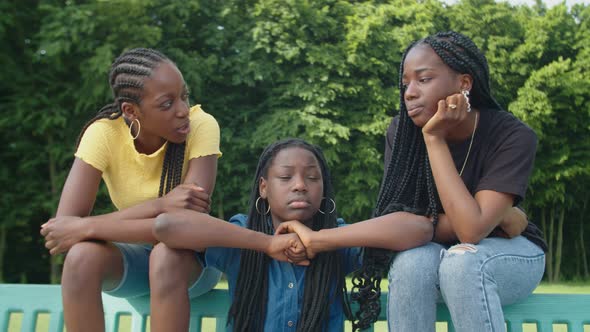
(131, 129)
(466, 95)
(333, 206)
(258, 210)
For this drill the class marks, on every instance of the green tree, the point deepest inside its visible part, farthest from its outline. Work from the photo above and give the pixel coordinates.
(555, 103)
(324, 70)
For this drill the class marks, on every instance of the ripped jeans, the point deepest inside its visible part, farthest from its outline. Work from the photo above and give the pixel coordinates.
(473, 280)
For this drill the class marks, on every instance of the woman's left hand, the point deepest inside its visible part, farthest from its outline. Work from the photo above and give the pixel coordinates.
(513, 224)
(61, 233)
(451, 111)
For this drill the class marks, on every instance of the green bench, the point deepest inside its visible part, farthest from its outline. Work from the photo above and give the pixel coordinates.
(43, 302)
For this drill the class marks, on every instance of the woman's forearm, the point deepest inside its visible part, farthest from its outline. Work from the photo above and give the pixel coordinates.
(112, 230)
(394, 231)
(513, 224)
(144, 210)
(444, 232)
(193, 230)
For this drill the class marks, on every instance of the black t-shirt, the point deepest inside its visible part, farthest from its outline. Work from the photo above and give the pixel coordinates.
(501, 158)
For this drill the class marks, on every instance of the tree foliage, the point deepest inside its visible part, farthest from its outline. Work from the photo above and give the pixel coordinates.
(323, 70)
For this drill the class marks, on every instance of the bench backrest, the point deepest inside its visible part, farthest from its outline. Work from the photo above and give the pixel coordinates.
(40, 305)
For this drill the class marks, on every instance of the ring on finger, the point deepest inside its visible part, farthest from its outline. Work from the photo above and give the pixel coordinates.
(452, 106)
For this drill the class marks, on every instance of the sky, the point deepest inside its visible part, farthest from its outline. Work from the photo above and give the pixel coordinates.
(531, 2)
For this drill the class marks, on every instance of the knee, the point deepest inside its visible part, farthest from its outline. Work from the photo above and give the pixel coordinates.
(170, 268)
(460, 265)
(415, 268)
(84, 265)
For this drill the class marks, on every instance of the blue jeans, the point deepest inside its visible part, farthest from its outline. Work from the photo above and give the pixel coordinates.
(473, 280)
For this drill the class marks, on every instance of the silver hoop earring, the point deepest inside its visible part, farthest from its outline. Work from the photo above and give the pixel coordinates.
(138, 129)
(333, 206)
(466, 95)
(258, 209)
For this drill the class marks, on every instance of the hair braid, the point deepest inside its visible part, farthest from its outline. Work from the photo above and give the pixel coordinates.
(126, 78)
(172, 167)
(324, 277)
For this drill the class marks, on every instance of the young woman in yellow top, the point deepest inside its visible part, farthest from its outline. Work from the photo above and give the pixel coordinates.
(155, 154)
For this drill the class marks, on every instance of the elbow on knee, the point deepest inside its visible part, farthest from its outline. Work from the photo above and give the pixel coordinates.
(162, 227)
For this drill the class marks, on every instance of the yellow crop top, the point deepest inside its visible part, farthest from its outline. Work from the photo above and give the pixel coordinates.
(132, 177)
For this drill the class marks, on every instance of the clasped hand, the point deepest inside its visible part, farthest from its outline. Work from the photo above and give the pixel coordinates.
(186, 196)
(292, 243)
(61, 233)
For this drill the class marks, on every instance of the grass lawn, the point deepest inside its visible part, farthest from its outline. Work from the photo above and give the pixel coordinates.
(209, 324)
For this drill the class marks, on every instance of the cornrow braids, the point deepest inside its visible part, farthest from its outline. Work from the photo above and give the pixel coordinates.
(324, 277)
(126, 78)
(408, 184)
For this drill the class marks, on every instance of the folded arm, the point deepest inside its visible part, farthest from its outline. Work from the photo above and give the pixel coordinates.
(470, 218)
(73, 224)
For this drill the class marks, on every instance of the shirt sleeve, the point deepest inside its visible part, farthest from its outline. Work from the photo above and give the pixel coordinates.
(510, 164)
(204, 135)
(94, 145)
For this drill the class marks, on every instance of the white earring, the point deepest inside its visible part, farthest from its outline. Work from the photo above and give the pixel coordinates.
(466, 95)
(138, 129)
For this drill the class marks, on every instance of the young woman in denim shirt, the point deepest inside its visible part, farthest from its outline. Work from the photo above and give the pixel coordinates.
(268, 292)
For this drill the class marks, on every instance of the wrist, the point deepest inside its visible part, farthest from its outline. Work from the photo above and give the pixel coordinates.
(88, 228)
(265, 244)
(433, 138)
(317, 240)
(159, 205)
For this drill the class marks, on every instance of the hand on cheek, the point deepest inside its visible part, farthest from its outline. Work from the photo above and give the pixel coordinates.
(450, 112)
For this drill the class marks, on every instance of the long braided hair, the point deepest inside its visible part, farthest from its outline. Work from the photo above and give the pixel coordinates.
(126, 78)
(409, 184)
(324, 277)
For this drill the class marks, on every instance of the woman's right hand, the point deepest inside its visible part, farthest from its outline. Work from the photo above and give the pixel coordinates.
(62, 232)
(186, 196)
(304, 233)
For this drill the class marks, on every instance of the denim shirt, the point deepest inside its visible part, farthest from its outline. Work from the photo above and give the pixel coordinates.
(286, 284)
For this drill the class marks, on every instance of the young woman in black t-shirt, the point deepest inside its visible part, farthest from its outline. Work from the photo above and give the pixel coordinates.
(455, 157)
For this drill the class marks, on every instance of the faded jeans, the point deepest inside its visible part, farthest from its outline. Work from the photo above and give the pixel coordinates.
(473, 280)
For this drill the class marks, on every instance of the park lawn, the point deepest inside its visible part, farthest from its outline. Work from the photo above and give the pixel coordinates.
(209, 323)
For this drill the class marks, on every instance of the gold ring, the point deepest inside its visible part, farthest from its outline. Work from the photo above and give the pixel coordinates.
(452, 106)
